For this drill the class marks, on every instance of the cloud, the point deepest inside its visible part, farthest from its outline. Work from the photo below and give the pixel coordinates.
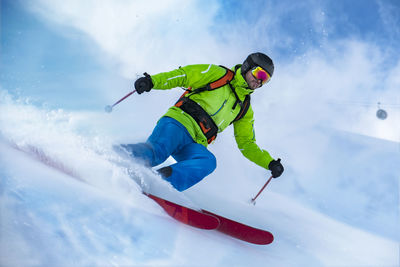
(327, 86)
(152, 35)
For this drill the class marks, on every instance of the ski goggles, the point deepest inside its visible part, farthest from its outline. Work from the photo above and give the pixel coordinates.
(260, 74)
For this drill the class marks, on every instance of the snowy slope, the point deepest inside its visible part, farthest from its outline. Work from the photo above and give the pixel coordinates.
(96, 215)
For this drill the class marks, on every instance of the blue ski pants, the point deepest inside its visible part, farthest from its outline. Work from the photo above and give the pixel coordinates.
(170, 138)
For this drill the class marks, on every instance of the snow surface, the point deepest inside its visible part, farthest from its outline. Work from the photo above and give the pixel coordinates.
(86, 211)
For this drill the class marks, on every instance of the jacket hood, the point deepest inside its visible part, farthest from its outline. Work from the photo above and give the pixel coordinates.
(239, 83)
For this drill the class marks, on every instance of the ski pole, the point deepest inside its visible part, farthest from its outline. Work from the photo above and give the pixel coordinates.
(109, 108)
(253, 200)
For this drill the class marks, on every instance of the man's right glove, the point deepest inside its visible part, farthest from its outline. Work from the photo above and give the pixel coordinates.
(276, 168)
(143, 84)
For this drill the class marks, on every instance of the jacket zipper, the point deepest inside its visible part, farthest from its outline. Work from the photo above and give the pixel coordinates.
(223, 104)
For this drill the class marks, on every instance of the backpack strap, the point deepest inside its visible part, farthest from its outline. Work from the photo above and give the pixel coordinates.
(243, 108)
(224, 80)
(238, 101)
(203, 119)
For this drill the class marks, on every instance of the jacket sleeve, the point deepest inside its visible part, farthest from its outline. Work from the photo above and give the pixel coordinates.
(194, 76)
(246, 140)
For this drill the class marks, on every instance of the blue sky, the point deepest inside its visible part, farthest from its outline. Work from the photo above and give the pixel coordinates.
(367, 20)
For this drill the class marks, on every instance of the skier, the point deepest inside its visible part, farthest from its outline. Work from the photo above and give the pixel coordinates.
(216, 97)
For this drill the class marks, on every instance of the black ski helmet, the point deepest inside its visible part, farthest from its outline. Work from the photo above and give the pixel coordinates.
(258, 59)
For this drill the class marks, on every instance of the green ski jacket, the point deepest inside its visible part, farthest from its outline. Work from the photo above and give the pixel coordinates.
(218, 103)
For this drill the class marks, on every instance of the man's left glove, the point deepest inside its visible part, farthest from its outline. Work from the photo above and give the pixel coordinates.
(276, 168)
(144, 84)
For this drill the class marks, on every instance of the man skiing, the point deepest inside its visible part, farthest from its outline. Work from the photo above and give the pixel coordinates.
(216, 97)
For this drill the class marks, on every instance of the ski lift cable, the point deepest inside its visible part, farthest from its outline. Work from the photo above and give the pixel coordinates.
(366, 104)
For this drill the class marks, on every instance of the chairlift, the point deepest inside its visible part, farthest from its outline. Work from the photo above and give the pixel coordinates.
(381, 113)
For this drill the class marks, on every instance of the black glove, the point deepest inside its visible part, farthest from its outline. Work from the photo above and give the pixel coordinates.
(143, 84)
(276, 168)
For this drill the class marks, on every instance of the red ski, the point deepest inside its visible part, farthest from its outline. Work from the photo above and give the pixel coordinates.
(186, 215)
(210, 221)
(242, 231)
